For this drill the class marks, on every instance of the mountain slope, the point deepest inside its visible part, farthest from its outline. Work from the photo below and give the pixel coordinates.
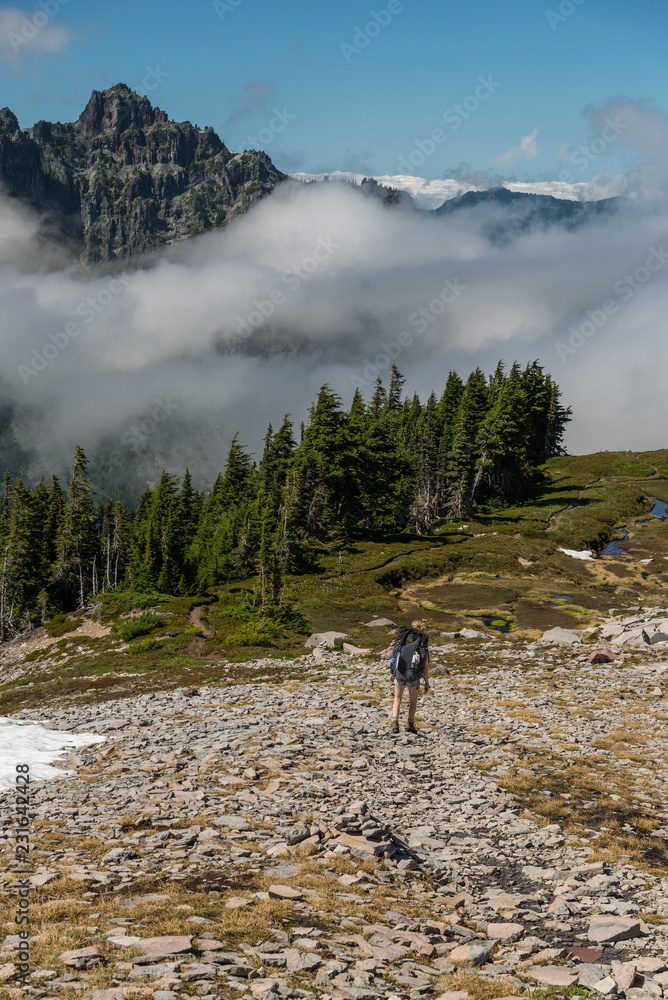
(517, 212)
(124, 179)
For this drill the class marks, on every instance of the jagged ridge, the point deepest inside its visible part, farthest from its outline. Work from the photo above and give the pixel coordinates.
(124, 179)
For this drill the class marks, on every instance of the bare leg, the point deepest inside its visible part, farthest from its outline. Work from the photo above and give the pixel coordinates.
(398, 692)
(413, 694)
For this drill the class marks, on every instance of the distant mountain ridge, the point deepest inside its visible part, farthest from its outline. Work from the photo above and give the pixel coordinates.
(124, 179)
(521, 212)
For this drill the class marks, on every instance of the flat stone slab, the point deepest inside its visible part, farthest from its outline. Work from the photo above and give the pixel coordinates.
(259, 987)
(124, 941)
(236, 902)
(587, 955)
(232, 822)
(606, 987)
(589, 975)
(299, 962)
(650, 964)
(561, 637)
(504, 931)
(372, 847)
(624, 974)
(43, 878)
(606, 929)
(553, 975)
(284, 892)
(476, 954)
(379, 622)
(82, 958)
(164, 947)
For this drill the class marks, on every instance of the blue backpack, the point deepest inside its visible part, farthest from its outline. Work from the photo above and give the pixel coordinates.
(409, 655)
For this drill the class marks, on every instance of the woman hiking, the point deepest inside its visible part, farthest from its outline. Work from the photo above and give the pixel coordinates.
(409, 665)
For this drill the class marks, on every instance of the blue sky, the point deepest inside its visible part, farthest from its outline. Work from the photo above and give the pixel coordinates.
(232, 64)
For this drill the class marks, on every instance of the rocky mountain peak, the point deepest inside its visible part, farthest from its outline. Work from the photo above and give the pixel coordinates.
(118, 109)
(8, 121)
(125, 179)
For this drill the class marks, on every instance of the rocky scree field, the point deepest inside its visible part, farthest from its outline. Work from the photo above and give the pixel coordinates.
(250, 828)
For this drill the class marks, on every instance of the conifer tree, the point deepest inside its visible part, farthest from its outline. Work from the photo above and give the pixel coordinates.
(278, 454)
(460, 471)
(78, 537)
(395, 389)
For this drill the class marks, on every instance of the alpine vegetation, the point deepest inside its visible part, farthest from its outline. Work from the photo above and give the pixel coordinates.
(384, 465)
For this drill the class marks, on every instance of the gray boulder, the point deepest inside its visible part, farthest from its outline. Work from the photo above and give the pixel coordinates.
(326, 639)
(562, 637)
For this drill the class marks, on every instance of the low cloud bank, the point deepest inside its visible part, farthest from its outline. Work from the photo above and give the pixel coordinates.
(320, 284)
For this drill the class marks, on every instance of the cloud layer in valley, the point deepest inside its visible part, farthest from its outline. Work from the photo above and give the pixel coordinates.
(318, 283)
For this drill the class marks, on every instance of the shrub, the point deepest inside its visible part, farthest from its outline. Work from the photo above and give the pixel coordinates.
(119, 601)
(60, 625)
(141, 625)
(144, 646)
(257, 633)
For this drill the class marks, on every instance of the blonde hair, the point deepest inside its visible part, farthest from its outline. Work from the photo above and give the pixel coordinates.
(421, 624)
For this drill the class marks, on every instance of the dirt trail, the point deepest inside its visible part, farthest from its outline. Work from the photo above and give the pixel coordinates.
(195, 619)
(555, 519)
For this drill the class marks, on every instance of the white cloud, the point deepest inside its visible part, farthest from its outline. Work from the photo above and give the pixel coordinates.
(23, 32)
(164, 336)
(527, 149)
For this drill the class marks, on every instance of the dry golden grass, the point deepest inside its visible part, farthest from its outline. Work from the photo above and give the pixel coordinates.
(591, 785)
(371, 699)
(477, 987)
(525, 714)
(494, 732)
(63, 923)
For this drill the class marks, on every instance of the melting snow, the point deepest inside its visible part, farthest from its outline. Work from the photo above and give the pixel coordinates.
(29, 743)
(577, 555)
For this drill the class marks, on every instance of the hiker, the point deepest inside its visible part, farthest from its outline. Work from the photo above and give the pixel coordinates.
(408, 666)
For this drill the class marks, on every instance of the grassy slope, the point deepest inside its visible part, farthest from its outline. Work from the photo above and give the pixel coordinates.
(465, 574)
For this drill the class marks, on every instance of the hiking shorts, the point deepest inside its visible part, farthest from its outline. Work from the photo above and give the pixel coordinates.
(411, 684)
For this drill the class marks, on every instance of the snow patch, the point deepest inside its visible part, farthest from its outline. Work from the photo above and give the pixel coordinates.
(577, 555)
(32, 744)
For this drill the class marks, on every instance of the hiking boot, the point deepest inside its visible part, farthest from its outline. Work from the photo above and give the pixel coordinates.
(410, 728)
(395, 726)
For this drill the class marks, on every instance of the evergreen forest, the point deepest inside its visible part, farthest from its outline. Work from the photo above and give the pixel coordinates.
(386, 465)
